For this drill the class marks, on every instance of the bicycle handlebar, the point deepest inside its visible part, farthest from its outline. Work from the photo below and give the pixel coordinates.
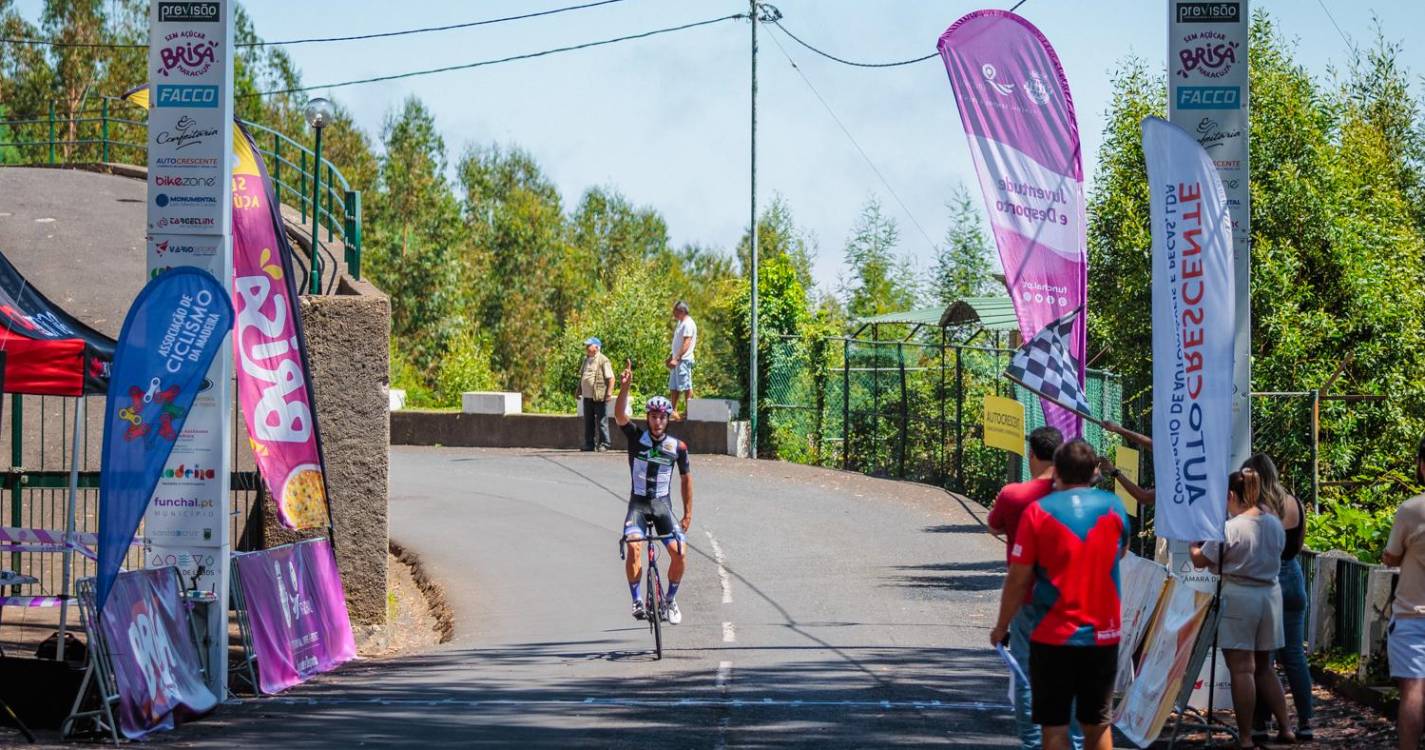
(624, 541)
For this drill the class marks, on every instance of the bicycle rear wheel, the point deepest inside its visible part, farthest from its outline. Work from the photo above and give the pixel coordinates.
(655, 609)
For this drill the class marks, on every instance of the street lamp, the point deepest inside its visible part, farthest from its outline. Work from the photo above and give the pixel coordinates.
(319, 113)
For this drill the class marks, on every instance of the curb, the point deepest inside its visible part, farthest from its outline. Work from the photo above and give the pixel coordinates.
(434, 593)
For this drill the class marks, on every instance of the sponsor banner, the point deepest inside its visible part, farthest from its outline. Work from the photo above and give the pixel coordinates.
(196, 564)
(273, 382)
(1125, 459)
(1194, 320)
(189, 12)
(1141, 585)
(1004, 424)
(1208, 97)
(297, 608)
(172, 334)
(1015, 106)
(190, 65)
(1167, 649)
(151, 650)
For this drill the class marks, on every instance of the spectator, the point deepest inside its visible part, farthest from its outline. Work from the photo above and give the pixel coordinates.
(1249, 624)
(680, 361)
(596, 379)
(1004, 519)
(1293, 584)
(1405, 642)
(1067, 549)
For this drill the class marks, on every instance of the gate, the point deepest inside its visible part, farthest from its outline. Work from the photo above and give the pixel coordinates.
(36, 486)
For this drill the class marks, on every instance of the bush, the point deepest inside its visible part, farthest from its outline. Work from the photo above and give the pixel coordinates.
(465, 367)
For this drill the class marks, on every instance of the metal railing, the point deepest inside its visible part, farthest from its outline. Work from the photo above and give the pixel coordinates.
(90, 136)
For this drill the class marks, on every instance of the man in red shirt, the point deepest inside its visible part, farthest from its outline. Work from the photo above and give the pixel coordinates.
(1004, 519)
(1067, 549)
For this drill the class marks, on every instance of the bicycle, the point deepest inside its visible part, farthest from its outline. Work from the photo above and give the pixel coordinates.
(654, 604)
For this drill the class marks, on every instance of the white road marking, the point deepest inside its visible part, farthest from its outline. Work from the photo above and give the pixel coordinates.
(729, 633)
(43, 221)
(722, 576)
(932, 705)
(724, 676)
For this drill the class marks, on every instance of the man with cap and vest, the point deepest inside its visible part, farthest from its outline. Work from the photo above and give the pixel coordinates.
(596, 379)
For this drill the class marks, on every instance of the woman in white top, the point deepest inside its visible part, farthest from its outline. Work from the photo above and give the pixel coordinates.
(1249, 627)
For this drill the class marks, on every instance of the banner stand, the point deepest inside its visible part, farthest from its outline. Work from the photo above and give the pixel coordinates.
(99, 680)
(67, 574)
(98, 675)
(1201, 648)
(245, 669)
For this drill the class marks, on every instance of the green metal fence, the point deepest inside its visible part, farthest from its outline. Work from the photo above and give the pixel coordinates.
(108, 135)
(35, 487)
(902, 409)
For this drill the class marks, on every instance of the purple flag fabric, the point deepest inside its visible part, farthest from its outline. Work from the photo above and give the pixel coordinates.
(1014, 103)
(297, 608)
(155, 661)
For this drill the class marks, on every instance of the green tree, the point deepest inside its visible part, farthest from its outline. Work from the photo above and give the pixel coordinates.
(778, 235)
(615, 234)
(528, 278)
(413, 235)
(632, 321)
(879, 281)
(963, 267)
(1336, 260)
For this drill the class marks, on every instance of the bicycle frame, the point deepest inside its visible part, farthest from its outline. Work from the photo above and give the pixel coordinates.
(655, 602)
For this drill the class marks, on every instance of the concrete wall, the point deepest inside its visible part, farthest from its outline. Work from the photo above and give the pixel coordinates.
(533, 431)
(348, 335)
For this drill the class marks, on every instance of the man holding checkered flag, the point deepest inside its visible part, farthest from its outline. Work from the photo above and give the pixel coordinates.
(1043, 365)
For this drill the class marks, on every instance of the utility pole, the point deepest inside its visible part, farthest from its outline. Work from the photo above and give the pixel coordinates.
(752, 385)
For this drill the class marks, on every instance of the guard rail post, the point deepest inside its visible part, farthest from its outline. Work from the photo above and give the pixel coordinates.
(353, 233)
(104, 128)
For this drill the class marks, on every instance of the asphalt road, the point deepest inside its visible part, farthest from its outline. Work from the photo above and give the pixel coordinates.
(821, 609)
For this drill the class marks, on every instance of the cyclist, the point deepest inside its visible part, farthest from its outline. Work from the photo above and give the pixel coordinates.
(652, 454)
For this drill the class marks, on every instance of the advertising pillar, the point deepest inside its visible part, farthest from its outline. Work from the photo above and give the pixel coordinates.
(1208, 97)
(190, 70)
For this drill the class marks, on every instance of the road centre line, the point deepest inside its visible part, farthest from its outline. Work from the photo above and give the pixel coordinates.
(722, 576)
(729, 633)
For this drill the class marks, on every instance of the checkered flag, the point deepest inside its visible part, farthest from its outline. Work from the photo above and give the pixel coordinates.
(1043, 365)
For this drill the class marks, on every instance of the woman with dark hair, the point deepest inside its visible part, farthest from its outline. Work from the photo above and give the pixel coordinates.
(1292, 656)
(1249, 625)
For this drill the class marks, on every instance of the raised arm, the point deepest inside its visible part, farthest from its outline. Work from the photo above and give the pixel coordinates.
(1130, 435)
(621, 406)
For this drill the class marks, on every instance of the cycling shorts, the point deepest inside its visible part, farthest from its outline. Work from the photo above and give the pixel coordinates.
(635, 524)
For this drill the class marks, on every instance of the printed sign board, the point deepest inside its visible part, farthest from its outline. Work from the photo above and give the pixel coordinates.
(1208, 97)
(190, 154)
(1004, 424)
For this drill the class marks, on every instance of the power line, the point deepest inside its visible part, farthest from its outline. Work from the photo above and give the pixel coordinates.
(513, 58)
(314, 40)
(429, 29)
(776, 20)
(852, 63)
(854, 143)
(1332, 18)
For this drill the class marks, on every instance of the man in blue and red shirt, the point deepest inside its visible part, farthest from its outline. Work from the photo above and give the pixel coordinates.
(1066, 550)
(1004, 519)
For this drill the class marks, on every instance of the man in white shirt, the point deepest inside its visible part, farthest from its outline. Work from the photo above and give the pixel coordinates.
(680, 361)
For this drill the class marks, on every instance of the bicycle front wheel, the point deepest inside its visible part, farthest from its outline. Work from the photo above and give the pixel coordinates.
(655, 609)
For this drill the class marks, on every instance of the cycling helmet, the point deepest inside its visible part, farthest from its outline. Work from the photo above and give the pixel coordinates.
(659, 405)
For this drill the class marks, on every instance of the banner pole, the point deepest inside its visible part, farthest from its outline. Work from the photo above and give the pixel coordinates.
(67, 573)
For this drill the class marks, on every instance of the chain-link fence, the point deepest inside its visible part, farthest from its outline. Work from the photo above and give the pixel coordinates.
(903, 409)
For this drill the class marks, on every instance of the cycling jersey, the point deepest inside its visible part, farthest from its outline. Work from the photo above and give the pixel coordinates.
(651, 461)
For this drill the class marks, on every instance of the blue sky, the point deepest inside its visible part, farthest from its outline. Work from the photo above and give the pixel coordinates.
(665, 120)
